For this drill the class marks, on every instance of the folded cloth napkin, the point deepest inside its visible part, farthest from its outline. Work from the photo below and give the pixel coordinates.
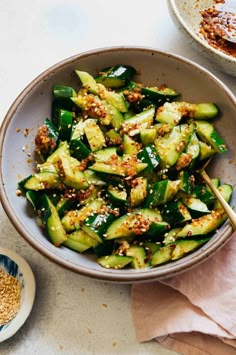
(194, 312)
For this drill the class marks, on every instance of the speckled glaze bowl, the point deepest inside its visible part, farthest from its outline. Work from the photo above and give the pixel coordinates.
(14, 265)
(186, 15)
(32, 107)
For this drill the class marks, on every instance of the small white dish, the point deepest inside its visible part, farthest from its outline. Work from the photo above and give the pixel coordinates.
(16, 266)
(187, 16)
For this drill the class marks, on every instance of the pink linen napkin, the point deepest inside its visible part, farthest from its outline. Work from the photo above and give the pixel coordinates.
(193, 313)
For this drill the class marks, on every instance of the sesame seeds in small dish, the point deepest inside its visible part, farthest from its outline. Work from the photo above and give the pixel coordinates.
(17, 292)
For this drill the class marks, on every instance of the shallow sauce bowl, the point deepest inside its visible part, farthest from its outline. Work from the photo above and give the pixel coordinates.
(186, 15)
(33, 105)
(14, 265)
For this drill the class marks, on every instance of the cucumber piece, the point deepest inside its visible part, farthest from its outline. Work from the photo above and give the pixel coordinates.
(140, 121)
(115, 77)
(183, 161)
(33, 197)
(162, 255)
(175, 213)
(117, 195)
(105, 154)
(114, 261)
(193, 150)
(42, 181)
(157, 230)
(63, 91)
(175, 251)
(62, 150)
(148, 136)
(64, 205)
(88, 81)
(73, 219)
(94, 136)
(71, 173)
(172, 112)
(96, 224)
(138, 192)
(113, 137)
(226, 191)
(186, 181)
(78, 148)
(159, 95)
(184, 247)
(47, 167)
(130, 113)
(117, 100)
(171, 235)
(203, 225)
(121, 168)
(130, 146)
(215, 182)
(93, 178)
(202, 192)
(149, 156)
(62, 103)
(80, 241)
(103, 167)
(55, 231)
(161, 192)
(65, 120)
(207, 133)
(206, 150)
(53, 133)
(205, 111)
(163, 128)
(104, 249)
(139, 256)
(151, 248)
(133, 224)
(196, 207)
(173, 144)
(116, 117)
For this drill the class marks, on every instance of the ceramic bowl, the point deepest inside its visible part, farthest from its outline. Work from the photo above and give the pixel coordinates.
(187, 16)
(16, 266)
(32, 107)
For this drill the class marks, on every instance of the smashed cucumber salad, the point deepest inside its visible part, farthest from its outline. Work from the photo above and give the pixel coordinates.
(118, 171)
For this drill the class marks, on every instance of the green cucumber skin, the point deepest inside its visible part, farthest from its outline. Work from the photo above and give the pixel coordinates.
(52, 130)
(207, 132)
(65, 121)
(61, 91)
(176, 250)
(51, 219)
(98, 224)
(175, 212)
(116, 77)
(62, 103)
(114, 261)
(149, 156)
(205, 111)
(78, 149)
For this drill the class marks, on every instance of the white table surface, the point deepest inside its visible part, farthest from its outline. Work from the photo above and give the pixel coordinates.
(73, 314)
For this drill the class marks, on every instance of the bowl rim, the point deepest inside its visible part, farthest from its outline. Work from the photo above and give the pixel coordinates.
(29, 294)
(197, 38)
(145, 275)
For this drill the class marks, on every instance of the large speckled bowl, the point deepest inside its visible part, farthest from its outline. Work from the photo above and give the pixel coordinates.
(33, 105)
(187, 16)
